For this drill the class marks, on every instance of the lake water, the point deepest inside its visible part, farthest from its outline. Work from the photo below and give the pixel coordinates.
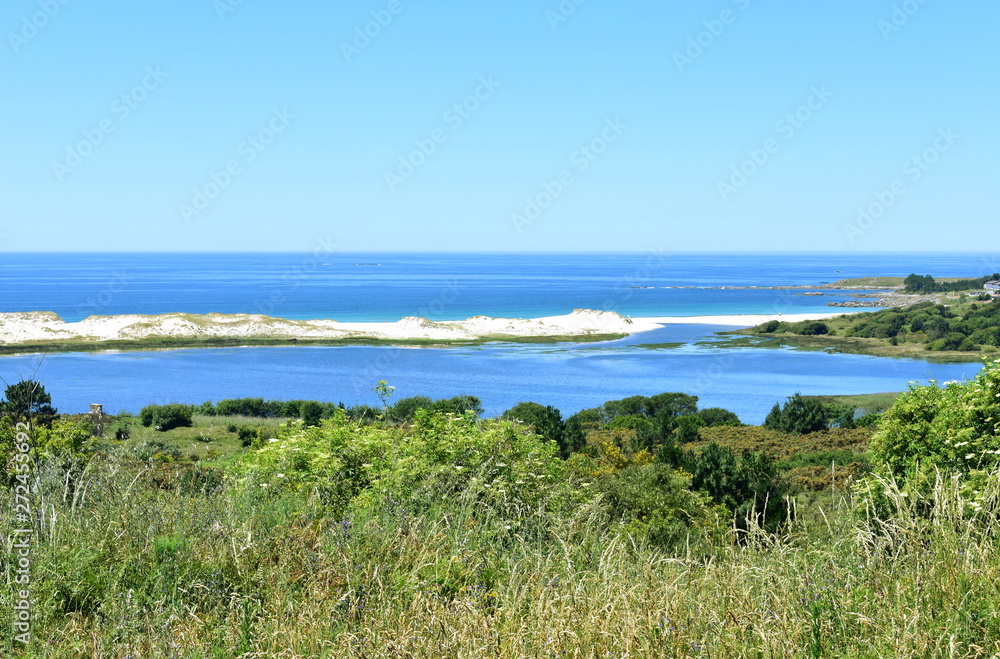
(568, 376)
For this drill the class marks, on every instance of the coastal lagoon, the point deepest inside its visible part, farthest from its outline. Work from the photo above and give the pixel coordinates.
(380, 287)
(570, 377)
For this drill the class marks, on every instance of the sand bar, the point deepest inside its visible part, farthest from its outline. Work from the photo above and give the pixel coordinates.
(42, 327)
(749, 320)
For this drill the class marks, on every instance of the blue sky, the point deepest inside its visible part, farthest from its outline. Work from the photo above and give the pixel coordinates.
(744, 125)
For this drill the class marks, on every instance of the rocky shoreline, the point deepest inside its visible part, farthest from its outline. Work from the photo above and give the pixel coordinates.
(883, 300)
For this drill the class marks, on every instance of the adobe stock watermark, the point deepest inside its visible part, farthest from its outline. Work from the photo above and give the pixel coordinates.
(786, 128)
(722, 365)
(562, 13)
(122, 107)
(913, 169)
(297, 276)
(32, 25)
(625, 286)
(454, 117)
(96, 304)
(990, 265)
(23, 534)
(900, 16)
(365, 34)
(705, 39)
(376, 369)
(580, 160)
(224, 7)
(255, 144)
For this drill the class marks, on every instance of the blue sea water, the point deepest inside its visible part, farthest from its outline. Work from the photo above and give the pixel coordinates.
(378, 287)
(386, 287)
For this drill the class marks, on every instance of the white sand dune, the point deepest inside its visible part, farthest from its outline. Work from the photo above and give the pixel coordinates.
(32, 327)
(40, 326)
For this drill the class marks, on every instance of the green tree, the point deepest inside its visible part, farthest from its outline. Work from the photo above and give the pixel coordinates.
(310, 412)
(673, 404)
(574, 436)
(718, 416)
(28, 399)
(687, 428)
(546, 420)
(458, 405)
(631, 406)
(749, 486)
(405, 409)
(798, 416)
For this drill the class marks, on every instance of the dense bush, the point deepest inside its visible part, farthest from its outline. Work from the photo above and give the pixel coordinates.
(657, 504)
(546, 420)
(405, 409)
(718, 416)
(166, 417)
(934, 325)
(349, 465)
(954, 429)
(814, 329)
(799, 415)
(926, 284)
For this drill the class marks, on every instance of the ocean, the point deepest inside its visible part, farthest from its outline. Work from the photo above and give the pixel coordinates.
(387, 287)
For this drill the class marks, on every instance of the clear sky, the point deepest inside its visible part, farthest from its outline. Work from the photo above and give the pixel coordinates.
(727, 125)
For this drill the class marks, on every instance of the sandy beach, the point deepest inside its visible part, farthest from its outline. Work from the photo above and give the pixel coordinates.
(741, 321)
(40, 327)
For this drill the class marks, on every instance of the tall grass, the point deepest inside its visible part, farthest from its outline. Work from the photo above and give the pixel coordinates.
(128, 564)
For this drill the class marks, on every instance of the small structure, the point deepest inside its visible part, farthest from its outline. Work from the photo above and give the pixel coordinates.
(992, 287)
(98, 419)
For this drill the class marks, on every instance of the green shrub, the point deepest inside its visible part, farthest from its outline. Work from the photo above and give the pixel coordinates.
(546, 421)
(166, 417)
(718, 416)
(801, 415)
(954, 429)
(406, 408)
(814, 329)
(654, 503)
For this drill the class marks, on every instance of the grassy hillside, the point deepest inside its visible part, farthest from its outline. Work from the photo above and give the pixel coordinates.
(449, 536)
(957, 332)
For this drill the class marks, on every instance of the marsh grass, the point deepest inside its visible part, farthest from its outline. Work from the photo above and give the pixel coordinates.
(126, 566)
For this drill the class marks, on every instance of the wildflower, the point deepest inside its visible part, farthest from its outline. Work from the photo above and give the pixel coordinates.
(264, 485)
(280, 475)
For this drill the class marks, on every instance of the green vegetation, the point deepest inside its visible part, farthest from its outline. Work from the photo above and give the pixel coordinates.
(166, 417)
(926, 284)
(930, 430)
(800, 415)
(969, 327)
(174, 343)
(406, 409)
(25, 400)
(641, 527)
(866, 282)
